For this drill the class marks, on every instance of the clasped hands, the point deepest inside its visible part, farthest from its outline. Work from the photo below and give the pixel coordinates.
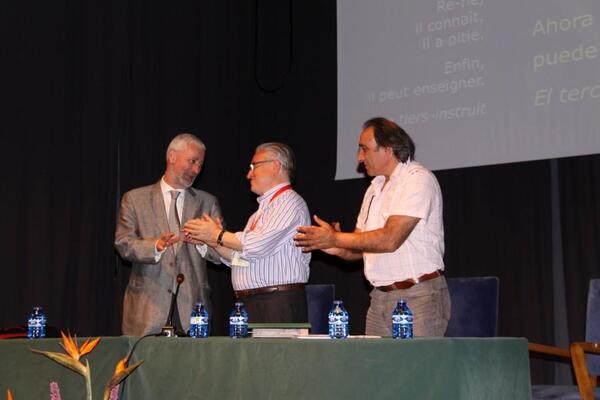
(203, 230)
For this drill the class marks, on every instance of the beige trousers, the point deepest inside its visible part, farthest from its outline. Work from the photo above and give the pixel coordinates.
(429, 302)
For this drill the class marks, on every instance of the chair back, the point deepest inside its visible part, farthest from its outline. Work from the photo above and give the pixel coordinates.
(474, 306)
(579, 353)
(318, 300)
(592, 324)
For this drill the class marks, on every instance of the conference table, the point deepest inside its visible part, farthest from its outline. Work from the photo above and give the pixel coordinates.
(277, 368)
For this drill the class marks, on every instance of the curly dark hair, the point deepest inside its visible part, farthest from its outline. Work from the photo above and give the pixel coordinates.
(389, 134)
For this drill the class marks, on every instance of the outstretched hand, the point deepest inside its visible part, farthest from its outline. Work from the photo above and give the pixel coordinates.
(202, 230)
(166, 240)
(320, 237)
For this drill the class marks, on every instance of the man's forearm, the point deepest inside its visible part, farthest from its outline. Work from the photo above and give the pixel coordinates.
(230, 240)
(224, 252)
(346, 254)
(384, 240)
(136, 250)
(370, 242)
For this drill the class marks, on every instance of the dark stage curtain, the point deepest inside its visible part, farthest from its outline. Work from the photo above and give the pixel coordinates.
(580, 212)
(92, 92)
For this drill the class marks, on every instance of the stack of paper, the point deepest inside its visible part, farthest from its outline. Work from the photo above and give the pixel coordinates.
(279, 330)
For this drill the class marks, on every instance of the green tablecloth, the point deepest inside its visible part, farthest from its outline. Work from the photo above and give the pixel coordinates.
(224, 368)
(28, 374)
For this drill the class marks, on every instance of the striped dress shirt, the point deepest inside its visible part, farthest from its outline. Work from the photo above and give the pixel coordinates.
(268, 245)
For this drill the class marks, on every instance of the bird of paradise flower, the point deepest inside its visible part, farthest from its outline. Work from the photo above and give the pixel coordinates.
(72, 361)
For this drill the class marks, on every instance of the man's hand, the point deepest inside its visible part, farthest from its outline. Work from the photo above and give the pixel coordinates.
(188, 239)
(203, 230)
(334, 251)
(166, 240)
(321, 237)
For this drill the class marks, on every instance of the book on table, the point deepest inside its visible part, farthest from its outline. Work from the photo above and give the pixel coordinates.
(279, 330)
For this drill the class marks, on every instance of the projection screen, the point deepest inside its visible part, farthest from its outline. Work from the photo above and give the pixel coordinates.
(474, 82)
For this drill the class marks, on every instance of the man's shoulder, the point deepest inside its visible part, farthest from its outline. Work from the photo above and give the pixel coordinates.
(141, 191)
(296, 197)
(290, 198)
(201, 194)
(417, 170)
(414, 167)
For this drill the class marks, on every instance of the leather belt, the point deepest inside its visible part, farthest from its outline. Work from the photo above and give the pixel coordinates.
(269, 289)
(407, 284)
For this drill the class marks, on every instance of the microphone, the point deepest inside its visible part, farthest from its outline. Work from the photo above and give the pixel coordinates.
(169, 330)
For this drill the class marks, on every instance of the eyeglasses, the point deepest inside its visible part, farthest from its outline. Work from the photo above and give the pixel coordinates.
(256, 164)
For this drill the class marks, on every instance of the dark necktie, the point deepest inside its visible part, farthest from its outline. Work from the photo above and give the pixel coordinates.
(175, 227)
(174, 223)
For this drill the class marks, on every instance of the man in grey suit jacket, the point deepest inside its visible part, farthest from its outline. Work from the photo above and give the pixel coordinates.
(148, 234)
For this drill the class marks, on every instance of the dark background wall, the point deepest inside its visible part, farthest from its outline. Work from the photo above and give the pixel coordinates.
(92, 92)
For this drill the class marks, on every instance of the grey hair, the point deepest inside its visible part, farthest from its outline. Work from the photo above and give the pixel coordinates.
(185, 139)
(284, 154)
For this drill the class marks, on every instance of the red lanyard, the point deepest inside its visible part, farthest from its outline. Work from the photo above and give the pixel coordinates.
(277, 193)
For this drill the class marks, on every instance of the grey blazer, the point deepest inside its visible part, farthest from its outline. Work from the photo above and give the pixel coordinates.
(142, 218)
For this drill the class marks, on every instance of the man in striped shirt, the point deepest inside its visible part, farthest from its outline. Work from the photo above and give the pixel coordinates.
(268, 272)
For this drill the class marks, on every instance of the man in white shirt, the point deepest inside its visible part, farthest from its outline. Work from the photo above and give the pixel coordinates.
(148, 235)
(268, 272)
(399, 233)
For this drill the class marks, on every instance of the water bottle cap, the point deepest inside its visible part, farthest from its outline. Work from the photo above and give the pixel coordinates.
(199, 304)
(337, 302)
(239, 303)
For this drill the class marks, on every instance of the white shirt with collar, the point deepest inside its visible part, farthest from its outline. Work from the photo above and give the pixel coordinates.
(166, 189)
(412, 191)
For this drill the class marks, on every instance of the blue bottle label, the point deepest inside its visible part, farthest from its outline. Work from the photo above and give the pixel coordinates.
(338, 319)
(402, 319)
(237, 320)
(198, 320)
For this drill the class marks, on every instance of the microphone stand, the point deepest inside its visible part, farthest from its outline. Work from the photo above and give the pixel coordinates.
(169, 330)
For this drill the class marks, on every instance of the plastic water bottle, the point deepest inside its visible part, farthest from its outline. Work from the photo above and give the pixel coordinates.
(402, 321)
(338, 321)
(238, 321)
(36, 324)
(199, 321)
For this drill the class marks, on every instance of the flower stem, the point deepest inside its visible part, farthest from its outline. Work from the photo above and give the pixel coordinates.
(88, 381)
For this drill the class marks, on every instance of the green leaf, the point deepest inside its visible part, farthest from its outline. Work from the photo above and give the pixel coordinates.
(64, 360)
